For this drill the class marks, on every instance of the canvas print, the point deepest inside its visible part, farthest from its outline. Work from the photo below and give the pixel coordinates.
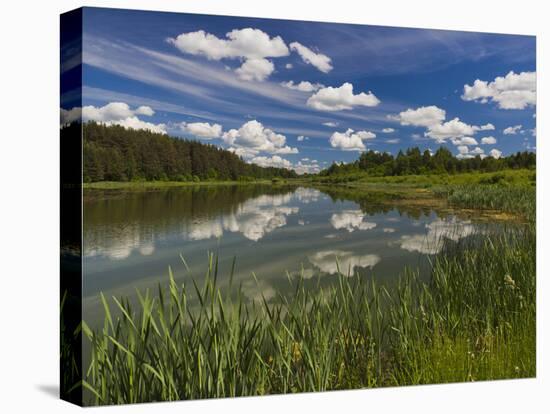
(253, 206)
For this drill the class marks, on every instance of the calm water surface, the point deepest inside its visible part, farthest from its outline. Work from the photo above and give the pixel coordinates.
(131, 238)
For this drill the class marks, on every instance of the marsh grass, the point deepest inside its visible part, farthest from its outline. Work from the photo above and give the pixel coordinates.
(473, 320)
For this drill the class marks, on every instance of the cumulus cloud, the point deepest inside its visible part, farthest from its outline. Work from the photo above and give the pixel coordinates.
(464, 152)
(388, 130)
(318, 60)
(486, 127)
(462, 149)
(488, 140)
(253, 219)
(424, 116)
(350, 140)
(202, 129)
(330, 261)
(255, 69)
(303, 86)
(251, 45)
(512, 130)
(513, 91)
(495, 153)
(437, 232)
(433, 119)
(255, 138)
(351, 220)
(114, 113)
(245, 43)
(464, 141)
(307, 167)
(302, 138)
(341, 98)
(450, 129)
(136, 123)
(273, 161)
(70, 115)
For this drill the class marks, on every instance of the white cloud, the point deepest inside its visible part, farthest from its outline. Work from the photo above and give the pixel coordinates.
(134, 122)
(289, 66)
(117, 113)
(202, 129)
(302, 138)
(393, 141)
(330, 124)
(70, 115)
(495, 153)
(303, 86)
(351, 220)
(254, 137)
(440, 229)
(309, 167)
(464, 141)
(424, 116)
(388, 130)
(513, 91)
(251, 45)
(253, 219)
(486, 127)
(450, 129)
(350, 140)
(463, 149)
(144, 110)
(388, 230)
(341, 98)
(113, 111)
(512, 130)
(488, 140)
(320, 61)
(255, 69)
(245, 43)
(432, 118)
(245, 153)
(464, 152)
(329, 261)
(301, 167)
(273, 161)
(534, 132)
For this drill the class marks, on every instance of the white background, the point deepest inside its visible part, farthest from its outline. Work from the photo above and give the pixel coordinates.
(29, 206)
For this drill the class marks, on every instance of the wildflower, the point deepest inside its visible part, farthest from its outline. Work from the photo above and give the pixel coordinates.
(509, 282)
(296, 351)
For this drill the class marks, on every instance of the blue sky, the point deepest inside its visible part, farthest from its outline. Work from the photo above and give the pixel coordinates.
(225, 80)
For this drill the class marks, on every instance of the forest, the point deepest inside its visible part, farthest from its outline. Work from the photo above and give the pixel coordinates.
(413, 161)
(113, 153)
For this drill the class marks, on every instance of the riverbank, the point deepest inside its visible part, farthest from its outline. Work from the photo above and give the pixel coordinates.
(473, 320)
(141, 185)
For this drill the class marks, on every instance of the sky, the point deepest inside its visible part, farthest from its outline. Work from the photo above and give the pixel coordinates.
(301, 95)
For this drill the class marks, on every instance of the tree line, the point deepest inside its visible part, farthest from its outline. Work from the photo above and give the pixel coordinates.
(113, 153)
(413, 161)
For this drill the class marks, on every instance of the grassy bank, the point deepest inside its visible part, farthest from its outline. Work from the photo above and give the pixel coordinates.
(504, 177)
(473, 320)
(139, 185)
